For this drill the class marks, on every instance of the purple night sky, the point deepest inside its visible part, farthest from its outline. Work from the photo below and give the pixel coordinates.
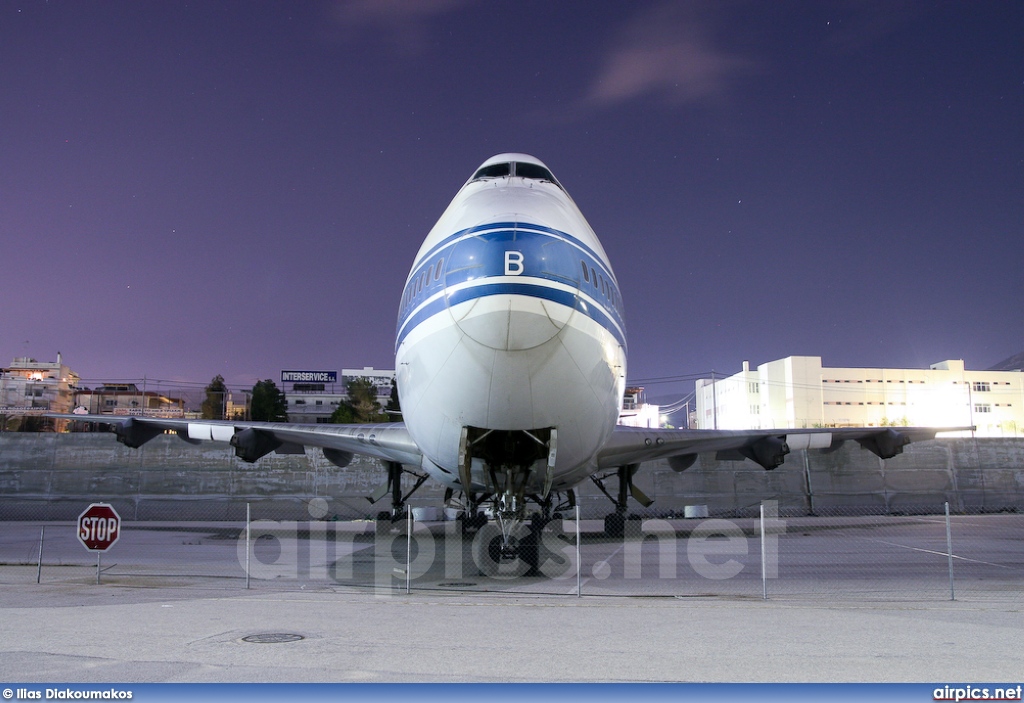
(189, 189)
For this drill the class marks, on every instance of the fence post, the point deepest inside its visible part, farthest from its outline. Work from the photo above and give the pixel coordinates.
(949, 553)
(248, 547)
(39, 563)
(579, 563)
(408, 550)
(764, 560)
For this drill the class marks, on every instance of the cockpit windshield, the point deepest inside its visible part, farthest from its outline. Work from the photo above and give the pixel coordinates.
(534, 171)
(517, 169)
(493, 171)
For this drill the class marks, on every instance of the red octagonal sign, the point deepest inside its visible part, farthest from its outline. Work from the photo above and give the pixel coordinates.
(99, 527)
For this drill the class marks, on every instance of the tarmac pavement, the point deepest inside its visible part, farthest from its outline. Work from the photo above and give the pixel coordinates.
(851, 603)
(110, 633)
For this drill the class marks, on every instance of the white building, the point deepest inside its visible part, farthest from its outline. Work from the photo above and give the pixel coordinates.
(30, 387)
(381, 378)
(316, 400)
(637, 412)
(128, 399)
(798, 392)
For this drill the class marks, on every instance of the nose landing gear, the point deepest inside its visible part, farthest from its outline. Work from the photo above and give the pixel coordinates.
(510, 463)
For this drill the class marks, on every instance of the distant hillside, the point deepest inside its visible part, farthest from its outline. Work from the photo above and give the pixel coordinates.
(1014, 363)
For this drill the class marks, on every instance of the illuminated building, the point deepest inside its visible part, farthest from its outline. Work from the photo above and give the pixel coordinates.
(30, 387)
(798, 392)
(128, 399)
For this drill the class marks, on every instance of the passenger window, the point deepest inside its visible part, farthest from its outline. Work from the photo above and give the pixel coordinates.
(437, 271)
(586, 276)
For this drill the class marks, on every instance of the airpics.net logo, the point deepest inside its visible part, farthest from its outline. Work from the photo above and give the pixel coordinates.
(389, 555)
(978, 693)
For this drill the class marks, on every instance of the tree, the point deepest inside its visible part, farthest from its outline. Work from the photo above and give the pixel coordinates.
(268, 403)
(394, 407)
(216, 399)
(361, 405)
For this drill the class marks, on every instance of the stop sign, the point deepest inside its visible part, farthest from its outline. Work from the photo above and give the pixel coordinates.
(99, 527)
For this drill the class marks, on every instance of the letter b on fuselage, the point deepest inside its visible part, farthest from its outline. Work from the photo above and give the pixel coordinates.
(513, 263)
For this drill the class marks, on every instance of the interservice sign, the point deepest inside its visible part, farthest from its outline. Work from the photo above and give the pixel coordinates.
(309, 377)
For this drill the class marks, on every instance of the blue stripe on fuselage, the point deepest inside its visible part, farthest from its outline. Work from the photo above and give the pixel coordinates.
(475, 255)
(515, 226)
(548, 293)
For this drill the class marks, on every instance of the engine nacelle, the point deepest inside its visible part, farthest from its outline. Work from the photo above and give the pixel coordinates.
(134, 434)
(769, 452)
(339, 458)
(885, 444)
(681, 463)
(251, 445)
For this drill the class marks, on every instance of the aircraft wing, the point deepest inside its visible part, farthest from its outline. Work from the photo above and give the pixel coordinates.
(253, 440)
(632, 445)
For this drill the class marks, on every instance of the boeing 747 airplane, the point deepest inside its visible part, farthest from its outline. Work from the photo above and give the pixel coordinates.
(510, 353)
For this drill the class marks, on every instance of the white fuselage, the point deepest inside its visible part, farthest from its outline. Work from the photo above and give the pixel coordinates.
(511, 320)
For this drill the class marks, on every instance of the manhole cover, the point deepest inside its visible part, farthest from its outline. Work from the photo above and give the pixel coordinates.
(457, 584)
(273, 638)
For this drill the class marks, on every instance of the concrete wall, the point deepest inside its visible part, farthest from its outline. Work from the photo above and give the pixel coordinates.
(54, 476)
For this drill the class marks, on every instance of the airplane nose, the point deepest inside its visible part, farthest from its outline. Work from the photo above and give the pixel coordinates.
(510, 288)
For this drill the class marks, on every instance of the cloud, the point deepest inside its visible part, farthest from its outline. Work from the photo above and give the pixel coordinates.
(669, 51)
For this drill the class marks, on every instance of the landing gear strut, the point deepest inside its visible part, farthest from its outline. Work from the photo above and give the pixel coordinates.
(394, 486)
(510, 459)
(615, 523)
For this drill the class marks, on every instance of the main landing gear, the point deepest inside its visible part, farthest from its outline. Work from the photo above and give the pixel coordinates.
(615, 523)
(394, 486)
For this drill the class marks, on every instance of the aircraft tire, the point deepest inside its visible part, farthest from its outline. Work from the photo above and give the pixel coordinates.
(486, 550)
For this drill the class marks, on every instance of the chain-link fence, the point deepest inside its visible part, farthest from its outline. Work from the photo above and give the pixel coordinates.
(924, 557)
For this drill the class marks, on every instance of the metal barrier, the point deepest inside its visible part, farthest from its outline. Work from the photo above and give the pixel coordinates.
(923, 557)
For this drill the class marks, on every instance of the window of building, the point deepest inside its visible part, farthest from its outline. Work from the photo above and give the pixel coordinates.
(982, 408)
(981, 386)
(308, 387)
